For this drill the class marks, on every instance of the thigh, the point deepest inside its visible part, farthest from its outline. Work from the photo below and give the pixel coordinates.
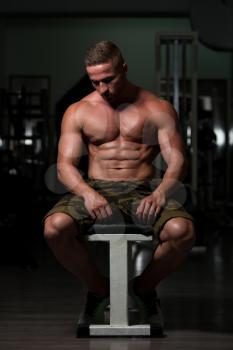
(73, 207)
(172, 209)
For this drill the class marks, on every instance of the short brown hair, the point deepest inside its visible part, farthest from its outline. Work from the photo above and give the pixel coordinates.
(102, 52)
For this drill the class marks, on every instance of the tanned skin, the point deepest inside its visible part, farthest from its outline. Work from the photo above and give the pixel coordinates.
(123, 128)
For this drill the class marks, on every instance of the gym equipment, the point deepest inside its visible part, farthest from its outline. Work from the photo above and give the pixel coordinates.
(176, 81)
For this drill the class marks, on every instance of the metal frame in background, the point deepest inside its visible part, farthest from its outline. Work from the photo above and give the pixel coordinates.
(172, 72)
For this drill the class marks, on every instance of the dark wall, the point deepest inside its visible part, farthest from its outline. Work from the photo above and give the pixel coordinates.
(213, 19)
(74, 7)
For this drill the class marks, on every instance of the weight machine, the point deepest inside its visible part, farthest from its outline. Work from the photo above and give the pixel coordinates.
(176, 81)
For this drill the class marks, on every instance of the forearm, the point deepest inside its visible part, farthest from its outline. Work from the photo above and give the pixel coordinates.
(72, 179)
(172, 179)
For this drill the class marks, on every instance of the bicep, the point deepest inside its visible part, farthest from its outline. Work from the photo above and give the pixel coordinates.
(70, 146)
(171, 141)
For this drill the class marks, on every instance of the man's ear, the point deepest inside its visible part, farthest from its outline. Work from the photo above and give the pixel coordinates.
(125, 67)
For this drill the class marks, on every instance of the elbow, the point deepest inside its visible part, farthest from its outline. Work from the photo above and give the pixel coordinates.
(59, 172)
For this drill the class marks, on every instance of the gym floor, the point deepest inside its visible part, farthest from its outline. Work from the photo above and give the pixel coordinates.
(39, 306)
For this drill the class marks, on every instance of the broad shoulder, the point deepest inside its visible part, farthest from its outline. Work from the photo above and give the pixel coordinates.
(154, 102)
(159, 110)
(76, 112)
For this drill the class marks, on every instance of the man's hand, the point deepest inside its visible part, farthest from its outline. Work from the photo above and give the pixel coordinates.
(150, 207)
(96, 205)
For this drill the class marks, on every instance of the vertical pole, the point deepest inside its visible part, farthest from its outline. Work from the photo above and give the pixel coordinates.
(184, 69)
(168, 78)
(3, 73)
(176, 76)
(194, 120)
(157, 64)
(229, 132)
(183, 111)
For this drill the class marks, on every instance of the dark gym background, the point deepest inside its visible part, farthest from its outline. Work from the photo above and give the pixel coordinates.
(41, 73)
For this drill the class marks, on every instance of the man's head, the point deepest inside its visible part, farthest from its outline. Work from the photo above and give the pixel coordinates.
(106, 69)
(102, 52)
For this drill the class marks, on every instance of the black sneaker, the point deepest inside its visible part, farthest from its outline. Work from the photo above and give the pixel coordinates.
(149, 309)
(94, 309)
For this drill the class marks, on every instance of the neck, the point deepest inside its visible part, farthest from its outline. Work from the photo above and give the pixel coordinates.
(128, 95)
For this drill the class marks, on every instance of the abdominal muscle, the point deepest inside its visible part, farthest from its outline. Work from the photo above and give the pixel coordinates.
(129, 162)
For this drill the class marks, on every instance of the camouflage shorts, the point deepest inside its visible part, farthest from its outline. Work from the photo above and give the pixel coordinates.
(124, 198)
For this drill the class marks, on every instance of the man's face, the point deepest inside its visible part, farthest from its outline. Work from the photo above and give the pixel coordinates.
(108, 79)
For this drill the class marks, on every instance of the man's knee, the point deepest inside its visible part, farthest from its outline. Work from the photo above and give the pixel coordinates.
(56, 226)
(181, 230)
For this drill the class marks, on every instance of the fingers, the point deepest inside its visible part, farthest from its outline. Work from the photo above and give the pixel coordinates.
(147, 212)
(157, 210)
(93, 215)
(140, 210)
(152, 214)
(108, 210)
(102, 212)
